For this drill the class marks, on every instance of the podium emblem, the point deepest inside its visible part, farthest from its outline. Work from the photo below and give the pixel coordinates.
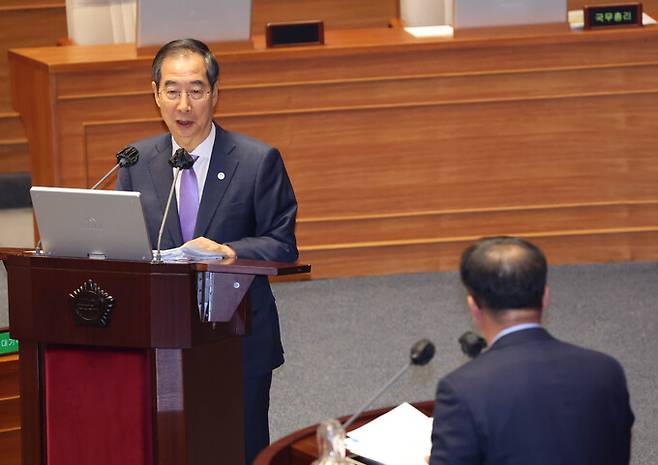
(91, 305)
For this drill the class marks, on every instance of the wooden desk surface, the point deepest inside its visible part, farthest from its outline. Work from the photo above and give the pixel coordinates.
(70, 58)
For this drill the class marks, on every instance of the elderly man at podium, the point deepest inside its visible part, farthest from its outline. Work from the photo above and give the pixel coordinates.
(236, 200)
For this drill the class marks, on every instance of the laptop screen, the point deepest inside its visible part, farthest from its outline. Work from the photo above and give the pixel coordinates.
(91, 223)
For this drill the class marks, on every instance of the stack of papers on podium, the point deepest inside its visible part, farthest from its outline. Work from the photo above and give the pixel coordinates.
(401, 436)
(186, 253)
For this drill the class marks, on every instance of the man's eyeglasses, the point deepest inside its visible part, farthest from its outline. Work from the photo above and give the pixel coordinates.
(193, 94)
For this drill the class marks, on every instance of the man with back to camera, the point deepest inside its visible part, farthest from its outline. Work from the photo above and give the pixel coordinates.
(530, 399)
(236, 200)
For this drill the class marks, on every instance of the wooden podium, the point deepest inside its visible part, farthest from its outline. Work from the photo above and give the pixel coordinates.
(121, 362)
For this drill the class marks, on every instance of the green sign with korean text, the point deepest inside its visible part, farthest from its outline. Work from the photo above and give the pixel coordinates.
(7, 344)
(617, 15)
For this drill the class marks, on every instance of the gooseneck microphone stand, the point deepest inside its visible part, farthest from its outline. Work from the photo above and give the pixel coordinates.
(421, 353)
(180, 160)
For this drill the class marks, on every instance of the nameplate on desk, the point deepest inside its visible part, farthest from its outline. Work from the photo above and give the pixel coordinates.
(294, 33)
(612, 15)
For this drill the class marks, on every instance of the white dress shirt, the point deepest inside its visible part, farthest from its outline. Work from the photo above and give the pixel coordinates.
(513, 329)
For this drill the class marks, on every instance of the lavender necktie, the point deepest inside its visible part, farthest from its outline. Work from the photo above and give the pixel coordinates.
(188, 202)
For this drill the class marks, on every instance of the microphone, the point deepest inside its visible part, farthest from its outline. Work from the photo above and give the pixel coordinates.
(126, 157)
(421, 353)
(180, 160)
(472, 344)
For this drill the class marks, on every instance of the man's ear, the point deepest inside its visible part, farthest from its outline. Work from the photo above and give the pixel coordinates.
(476, 313)
(156, 96)
(215, 95)
(546, 299)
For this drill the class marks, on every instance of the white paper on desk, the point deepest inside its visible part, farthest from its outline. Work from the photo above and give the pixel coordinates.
(401, 436)
(188, 253)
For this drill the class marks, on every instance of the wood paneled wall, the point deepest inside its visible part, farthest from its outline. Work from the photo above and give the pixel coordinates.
(336, 14)
(10, 423)
(34, 23)
(402, 151)
(23, 23)
(30, 23)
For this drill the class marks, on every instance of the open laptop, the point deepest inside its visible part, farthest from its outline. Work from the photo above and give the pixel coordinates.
(91, 223)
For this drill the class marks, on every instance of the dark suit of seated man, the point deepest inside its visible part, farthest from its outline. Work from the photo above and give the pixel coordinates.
(236, 200)
(530, 399)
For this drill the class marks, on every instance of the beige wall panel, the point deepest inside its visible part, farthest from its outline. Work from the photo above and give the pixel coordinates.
(479, 169)
(75, 114)
(302, 65)
(586, 248)
(10, 412)
(440, 89)
(336, 14)
(10, 447)
(317, 232)
(23, 23)
(380, 260)
(444, 256)
(463, 156)
(103, 141)
(435, 89)
(109, 109)
(105, 108)
(31, 93)
(124, 79)
(13, 157)
(9, 376)
(10, 433)
(11, 127)
(26, 28)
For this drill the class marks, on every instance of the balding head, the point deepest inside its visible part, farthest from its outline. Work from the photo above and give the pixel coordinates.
(504, 273)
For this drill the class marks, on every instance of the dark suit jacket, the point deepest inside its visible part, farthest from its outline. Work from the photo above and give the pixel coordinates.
(533, 400)
(252, 210)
